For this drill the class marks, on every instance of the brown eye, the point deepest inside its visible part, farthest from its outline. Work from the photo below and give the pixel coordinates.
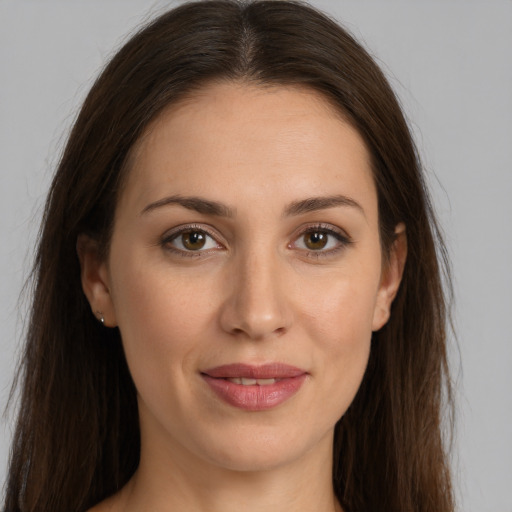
(321, 241)
(193, 240)
(316, 240)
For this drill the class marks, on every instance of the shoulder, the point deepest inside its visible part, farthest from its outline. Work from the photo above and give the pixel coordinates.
(108, 505)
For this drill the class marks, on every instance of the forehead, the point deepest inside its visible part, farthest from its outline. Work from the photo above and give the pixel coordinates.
(252, 138)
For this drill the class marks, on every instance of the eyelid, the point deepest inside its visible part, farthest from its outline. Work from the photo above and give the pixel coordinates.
(341, 235)
(175, 232)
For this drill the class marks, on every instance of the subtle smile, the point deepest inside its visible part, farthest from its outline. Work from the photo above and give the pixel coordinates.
(255, 388)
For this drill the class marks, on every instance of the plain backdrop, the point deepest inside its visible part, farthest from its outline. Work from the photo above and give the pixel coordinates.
(451, 64)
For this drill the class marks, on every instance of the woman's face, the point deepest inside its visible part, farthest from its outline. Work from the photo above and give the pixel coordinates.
(245, 275)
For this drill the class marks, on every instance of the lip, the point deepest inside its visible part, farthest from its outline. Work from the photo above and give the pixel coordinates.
(289, 380)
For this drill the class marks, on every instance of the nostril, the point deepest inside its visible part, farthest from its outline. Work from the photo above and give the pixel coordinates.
(254, 333)
(256, 317)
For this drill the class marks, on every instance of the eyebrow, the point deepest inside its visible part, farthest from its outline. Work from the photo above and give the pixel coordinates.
(197, 204)
(312, 204)
(207, 207)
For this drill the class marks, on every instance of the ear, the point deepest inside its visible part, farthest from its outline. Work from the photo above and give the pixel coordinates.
(390, 278)
(95, 280)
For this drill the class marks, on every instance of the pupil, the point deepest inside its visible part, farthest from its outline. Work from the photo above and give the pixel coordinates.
(194, 240)
(316, 240)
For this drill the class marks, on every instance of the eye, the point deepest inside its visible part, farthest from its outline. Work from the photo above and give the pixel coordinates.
(191, 239)
(321, 240)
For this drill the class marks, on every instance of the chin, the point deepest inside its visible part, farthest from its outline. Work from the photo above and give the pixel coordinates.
(253, 461)
(263, 451)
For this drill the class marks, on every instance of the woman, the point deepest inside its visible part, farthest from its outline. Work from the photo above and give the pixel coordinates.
(238, 300)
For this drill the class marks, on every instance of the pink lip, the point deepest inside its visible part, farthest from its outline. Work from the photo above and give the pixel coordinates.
(256, 397)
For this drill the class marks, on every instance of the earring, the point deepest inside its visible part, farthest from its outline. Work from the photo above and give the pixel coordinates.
(100, 316)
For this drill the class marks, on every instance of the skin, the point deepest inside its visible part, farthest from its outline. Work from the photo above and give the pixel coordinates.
(257, 293)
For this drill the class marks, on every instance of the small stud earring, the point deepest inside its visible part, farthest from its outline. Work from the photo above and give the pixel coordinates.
(100, 316)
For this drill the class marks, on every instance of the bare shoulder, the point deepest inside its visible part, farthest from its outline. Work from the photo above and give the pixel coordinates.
(118, 502)
(109, 505)
(101, 507)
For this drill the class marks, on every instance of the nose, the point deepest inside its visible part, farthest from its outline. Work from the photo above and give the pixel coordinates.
(257, 306)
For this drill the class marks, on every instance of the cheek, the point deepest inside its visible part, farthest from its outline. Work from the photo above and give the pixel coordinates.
(340, 321)
(160, 320)
(341, 306)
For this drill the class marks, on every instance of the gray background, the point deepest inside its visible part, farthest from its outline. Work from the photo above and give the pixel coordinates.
(451, 64)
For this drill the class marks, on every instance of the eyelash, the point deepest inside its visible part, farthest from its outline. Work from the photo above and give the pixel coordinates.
(343, 240)
(189, 228)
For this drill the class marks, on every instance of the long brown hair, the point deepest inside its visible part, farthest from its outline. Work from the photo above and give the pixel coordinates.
(77, 435)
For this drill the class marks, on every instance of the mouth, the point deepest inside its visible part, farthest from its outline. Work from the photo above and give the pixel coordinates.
(246, 381)
(276, 371)
(254, 388)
